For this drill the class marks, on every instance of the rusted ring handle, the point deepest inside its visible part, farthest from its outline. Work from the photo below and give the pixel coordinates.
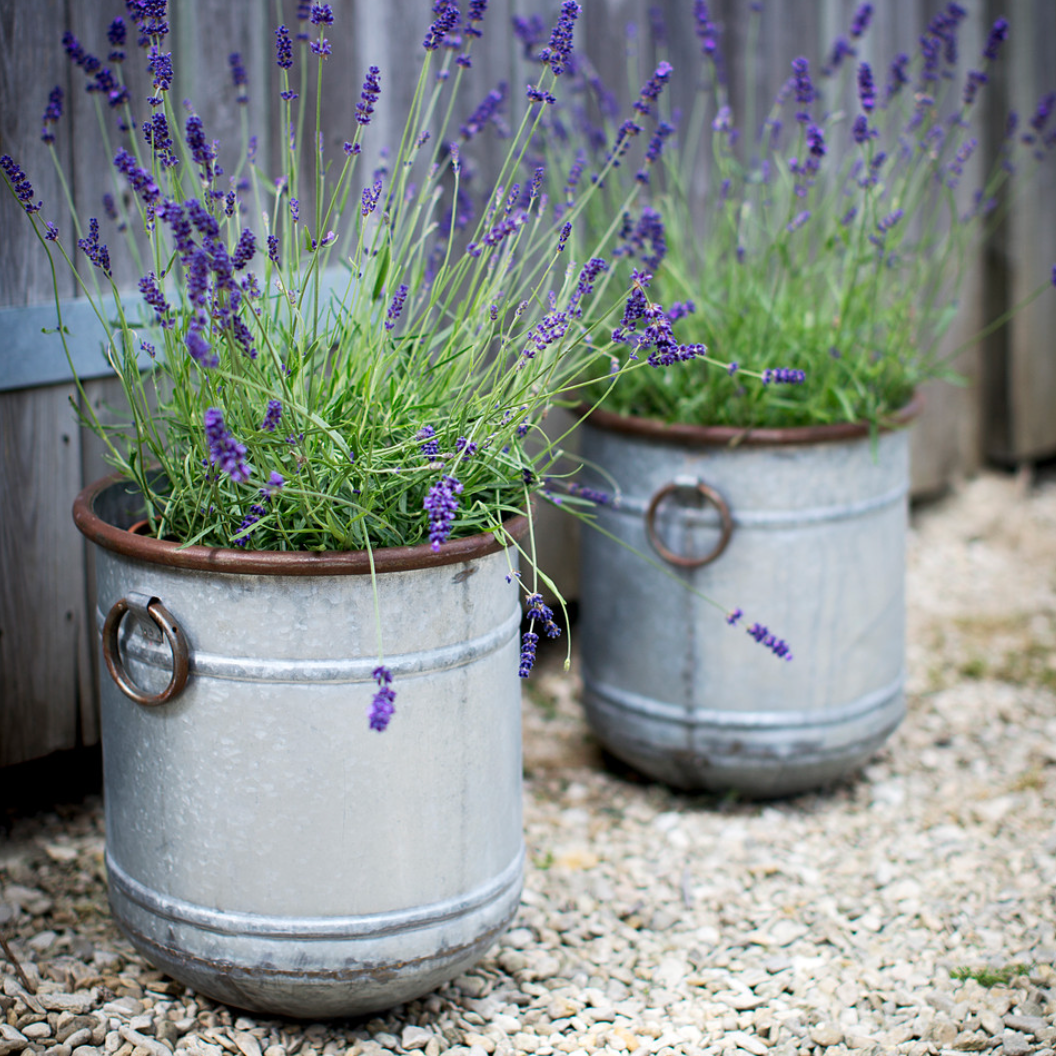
(714, 498)
(177, 643)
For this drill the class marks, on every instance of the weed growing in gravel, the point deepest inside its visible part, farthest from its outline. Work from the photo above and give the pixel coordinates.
(990, 977)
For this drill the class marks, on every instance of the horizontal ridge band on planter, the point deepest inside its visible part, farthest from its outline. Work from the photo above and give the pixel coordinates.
(736, 436)
(276, 562)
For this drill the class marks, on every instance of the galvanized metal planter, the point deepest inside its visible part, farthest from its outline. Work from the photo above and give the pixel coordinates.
(264, 846)
(803, 529)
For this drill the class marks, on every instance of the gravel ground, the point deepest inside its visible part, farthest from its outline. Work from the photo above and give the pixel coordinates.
(908, 909)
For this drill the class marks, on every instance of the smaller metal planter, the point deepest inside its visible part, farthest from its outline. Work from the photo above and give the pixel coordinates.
(264, 846)
(802, 529)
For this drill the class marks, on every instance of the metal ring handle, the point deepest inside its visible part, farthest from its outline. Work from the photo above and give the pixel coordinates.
(712, 496)
(177, 643)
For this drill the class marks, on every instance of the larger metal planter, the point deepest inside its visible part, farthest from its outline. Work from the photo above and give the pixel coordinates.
(263, 845)
(804, 530)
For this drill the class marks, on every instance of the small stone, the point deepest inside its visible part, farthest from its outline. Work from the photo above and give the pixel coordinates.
(749, 1042)
(826, 1036)
(42, 941)
(74, 1025)
(519, 938)
(1026, 1024)
(414, 1037)
(512, 961)
(247, 1044)
(86, 1050)
(167, 1031)
(11, 1040)
(78, 1038)
(479, 1041)
(971, 1041)
(990, 1021)
(1014, 1043)
(471, 985)
(79, 1003)
(274, 1050)
(942, 1032)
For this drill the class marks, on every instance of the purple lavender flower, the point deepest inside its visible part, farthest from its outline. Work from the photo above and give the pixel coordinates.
(272, 416)
(52, 114)
(804, 87)
(706, 30)
(973, 82)
(537, 95)
(485, 112)
(141, 181)
(652, 88)
(148, 286)
(275, 479)
(396, 307)
(475, 14)
(321, 47)
(238, 76)
(862, 17)
(563, 237)
(861, 131)
(529, 644)
(734, 616)
(816, 141)
(776, 645)
(384, 702)
(224, 450)
(369, 198)
(446, 21)
(998, 33)
(322, 15)
(93, 249)
(599, 498)
(283, 48)
(156, 133)
(784, 376)
(160, 64)
(201, 152)
(115, 34)
(247, 246)
(842, 49)
(431, 446)
(368, 96)
(536, 610)
(465, 447)
(897, 75)
(530, 31)
(558, 52)
(273, 250)
(441, 503)
(1043, 112)
(150, 18)
(866, 90)
(502, 230)
(886, 223)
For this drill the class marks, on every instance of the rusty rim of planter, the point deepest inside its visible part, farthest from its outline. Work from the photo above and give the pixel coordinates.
(738, 436)
(277, 562)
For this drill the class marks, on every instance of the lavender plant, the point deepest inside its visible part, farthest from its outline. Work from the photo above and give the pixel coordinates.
(834, 238)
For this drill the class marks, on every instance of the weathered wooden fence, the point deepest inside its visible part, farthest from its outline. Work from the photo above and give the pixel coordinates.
(47, 650)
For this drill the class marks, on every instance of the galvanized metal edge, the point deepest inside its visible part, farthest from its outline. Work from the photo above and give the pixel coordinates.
(370, 925)
(773, 519)
(659, 711)
(330, 671)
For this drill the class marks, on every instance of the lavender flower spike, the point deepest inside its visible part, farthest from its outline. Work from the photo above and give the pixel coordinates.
(866, 91)
(383, 704)
(529, 643)
(224, 450)
(998, 33)
(369, 96)
(52, 114)
(559, 51)
(441, 503)
(396, 307)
